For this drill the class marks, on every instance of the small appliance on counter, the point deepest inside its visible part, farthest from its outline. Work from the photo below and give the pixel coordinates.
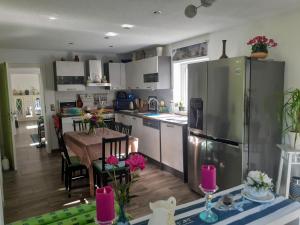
(68, 108)
(124, 101)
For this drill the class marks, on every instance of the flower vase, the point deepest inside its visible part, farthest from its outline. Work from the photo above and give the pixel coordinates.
(92, 131)
(224, 56)
(259, 55)
(122, 219)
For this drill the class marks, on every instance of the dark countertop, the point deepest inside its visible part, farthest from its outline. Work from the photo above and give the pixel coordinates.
(163, 117)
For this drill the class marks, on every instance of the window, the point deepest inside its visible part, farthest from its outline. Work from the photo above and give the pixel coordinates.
(180, 79)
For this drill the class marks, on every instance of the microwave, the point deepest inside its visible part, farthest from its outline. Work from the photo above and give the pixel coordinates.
(151, 78)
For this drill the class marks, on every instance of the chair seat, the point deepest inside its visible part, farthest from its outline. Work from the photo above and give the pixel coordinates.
(98, 166)
(75, 162)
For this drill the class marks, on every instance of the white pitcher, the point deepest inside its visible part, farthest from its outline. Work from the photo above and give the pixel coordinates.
(163, 212)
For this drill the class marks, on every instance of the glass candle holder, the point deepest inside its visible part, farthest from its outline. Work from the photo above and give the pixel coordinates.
(208, 215)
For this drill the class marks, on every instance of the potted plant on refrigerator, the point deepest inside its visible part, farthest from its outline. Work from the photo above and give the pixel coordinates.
(291, 115)
(260, 45)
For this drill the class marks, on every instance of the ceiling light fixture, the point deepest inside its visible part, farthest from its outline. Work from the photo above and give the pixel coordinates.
(127, 26)
(157, 12)
(52, 18)
(111, 34)
(191, 10)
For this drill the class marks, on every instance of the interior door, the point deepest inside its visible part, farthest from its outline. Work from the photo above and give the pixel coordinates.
(6, 116)
(225, 91)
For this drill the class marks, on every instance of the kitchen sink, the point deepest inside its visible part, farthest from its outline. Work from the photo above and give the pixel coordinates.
(152, 114)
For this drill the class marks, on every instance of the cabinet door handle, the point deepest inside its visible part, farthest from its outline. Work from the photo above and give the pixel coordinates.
(169, 125)
(133, 118)
(137, 87)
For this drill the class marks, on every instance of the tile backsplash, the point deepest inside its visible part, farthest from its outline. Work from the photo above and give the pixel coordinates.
(166, 95)
(92, 96)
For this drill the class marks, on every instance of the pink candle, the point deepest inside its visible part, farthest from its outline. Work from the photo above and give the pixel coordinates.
(105, 204)
(208, 177)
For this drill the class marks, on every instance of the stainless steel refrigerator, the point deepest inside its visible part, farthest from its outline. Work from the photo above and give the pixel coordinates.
(234, 118)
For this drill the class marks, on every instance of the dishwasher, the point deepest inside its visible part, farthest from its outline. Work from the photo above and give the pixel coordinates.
(149, 143)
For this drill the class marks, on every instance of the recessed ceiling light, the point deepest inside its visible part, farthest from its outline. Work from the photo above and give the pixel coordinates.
(157, 12)
(127, 26)
(111, 34)
(52, 18)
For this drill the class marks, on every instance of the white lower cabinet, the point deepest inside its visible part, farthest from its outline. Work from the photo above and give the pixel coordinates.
(172, 146)
(150, 143)
(149, 138)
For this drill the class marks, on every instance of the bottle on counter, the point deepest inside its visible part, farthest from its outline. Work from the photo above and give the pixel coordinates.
(79, 102)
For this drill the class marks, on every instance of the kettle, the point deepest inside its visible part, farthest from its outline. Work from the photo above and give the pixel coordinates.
(131, 107)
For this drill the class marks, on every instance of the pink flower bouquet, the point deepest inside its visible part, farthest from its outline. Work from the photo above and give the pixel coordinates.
(135, 163)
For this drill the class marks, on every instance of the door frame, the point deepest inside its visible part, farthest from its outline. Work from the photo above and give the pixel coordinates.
(42, 84)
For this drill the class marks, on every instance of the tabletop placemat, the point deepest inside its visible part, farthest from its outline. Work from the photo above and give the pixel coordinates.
(188, 214)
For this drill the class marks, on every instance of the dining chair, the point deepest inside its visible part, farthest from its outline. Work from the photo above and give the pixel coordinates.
(110, 125)
(126, 129)
(118, 127)
(72, 166)
(114, 147)
(79, 125)
(57, 128)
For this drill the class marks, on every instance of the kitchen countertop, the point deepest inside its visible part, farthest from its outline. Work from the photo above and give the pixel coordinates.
(164, 117)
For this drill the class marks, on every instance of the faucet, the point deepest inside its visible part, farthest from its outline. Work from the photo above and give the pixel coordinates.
(157, 103)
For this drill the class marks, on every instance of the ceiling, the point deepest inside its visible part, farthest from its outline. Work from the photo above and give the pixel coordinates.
(25, 24)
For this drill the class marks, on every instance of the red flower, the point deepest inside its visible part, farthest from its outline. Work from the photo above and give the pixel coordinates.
(112, 160)
(135, 162)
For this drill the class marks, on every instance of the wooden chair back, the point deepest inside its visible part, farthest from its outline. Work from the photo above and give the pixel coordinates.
(126, 129)
(115, 148)
(118, 127)
(79, 125)
(63, 147)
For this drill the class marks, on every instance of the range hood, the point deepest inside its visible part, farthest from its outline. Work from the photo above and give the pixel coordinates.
(98, 84)
(95, 74)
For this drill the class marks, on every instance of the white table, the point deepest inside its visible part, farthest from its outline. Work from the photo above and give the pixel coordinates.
(290, 156)
(262, 214)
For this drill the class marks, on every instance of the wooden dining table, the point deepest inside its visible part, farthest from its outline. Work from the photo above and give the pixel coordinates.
(88, 147)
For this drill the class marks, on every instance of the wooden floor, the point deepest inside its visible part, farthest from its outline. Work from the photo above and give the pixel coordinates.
(36, 187)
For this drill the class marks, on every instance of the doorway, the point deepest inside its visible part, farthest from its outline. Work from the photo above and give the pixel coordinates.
(27, 111)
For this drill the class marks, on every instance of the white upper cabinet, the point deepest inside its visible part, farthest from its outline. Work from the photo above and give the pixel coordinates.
(133, 77)
(149, 73)
(117, 76)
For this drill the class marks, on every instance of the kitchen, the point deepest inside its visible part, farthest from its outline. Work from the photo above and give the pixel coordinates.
(185, 103)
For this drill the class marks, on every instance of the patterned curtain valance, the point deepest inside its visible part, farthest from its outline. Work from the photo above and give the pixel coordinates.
(188, 52)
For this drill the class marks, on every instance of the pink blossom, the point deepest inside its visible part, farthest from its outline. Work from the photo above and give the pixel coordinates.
(112, 160)
(135, 162)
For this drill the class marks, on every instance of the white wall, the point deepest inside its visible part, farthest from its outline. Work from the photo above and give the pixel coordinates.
(46, 59)
(283, 28)
(25, 81)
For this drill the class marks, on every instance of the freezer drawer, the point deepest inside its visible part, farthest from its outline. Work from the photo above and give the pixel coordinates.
(228, 160)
